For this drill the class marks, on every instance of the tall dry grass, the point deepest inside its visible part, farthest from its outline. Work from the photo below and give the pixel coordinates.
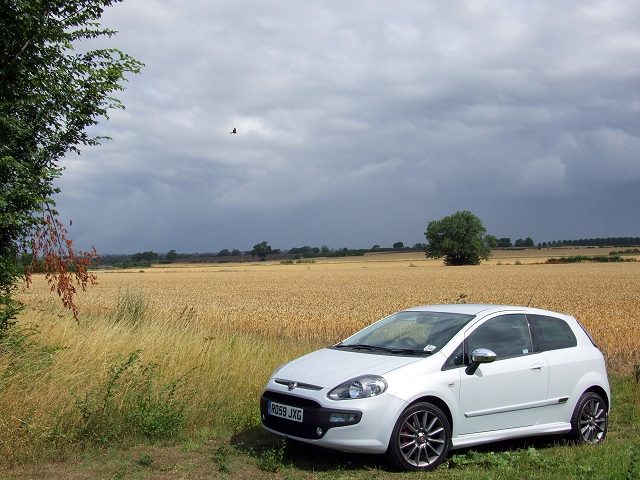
(224, 329)
(327, 302)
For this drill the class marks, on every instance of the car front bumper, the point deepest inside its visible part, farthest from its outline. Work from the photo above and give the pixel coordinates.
(361, 425)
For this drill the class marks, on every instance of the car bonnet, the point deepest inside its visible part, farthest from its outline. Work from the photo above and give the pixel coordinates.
(329, 367)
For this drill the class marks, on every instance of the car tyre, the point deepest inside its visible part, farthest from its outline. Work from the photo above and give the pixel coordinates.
(421, 438)
(589, 419)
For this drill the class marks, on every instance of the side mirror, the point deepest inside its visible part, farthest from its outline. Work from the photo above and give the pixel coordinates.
(478, 356)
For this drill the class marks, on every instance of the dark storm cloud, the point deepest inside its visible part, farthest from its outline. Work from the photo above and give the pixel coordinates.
(360, 122)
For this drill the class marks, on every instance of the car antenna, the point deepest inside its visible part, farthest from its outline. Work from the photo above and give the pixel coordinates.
(533, 293)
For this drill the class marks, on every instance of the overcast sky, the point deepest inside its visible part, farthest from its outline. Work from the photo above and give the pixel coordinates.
(361, 121)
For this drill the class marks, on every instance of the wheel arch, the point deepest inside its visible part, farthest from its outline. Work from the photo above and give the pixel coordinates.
(597, 389)
(438, 402)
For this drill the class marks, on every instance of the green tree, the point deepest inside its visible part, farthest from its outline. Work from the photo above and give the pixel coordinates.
(491, 240)
(261, 250)
(460, 238)
(171, 256)
(504, 242)
(145, 256)
(49, 95)
(398, 246)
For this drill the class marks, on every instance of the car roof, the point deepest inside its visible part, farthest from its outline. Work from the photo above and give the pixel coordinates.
(477, 309)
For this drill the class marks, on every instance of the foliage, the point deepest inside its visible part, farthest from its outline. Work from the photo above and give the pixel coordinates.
(49, 95)
(261, 250)
(144, 256)
(459, 238)
(129, 404)
(527, 242)
(271, 459)
(595, 258)
(504, 242)
(595, 242)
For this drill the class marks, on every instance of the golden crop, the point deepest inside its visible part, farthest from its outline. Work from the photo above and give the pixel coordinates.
(329, 300)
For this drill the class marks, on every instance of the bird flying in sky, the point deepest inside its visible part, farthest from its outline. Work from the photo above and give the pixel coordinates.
(234, 130)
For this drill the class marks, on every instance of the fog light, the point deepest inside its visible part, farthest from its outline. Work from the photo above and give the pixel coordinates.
(343, 417)
(319, 431)
(339, 417)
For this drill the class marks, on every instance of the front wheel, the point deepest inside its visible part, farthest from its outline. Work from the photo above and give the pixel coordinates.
(589, 419)
(420, 439)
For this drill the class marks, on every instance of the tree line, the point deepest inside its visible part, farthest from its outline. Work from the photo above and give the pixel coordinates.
(263, 249)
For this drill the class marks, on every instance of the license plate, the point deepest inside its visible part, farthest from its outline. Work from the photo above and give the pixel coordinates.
(285, 411)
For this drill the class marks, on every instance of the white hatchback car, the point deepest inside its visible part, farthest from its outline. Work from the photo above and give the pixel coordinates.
(433, 378)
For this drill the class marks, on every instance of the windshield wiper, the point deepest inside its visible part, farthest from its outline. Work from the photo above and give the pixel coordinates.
(383, 349)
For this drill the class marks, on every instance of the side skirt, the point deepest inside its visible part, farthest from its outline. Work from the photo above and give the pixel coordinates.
(463, 441)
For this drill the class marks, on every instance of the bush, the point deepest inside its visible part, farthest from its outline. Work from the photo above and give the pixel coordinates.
(128, 405)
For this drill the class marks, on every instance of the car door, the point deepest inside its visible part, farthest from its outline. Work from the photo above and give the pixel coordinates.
(554, 339)
(511, 391)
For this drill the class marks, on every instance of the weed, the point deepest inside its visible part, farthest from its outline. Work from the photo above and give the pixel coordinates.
(221, 457)
(271, 459)
(513, 458)
(130, 405)
(145, 460)
(633, 472)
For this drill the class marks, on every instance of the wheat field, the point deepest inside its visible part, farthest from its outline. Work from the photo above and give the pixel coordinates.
(330, 299)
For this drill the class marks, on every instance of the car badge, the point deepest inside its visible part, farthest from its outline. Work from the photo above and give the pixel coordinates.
(291, 386)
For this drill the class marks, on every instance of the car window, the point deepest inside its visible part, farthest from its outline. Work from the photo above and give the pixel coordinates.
(456, 359)
(506, 336)
(421, 331)
(551, 333)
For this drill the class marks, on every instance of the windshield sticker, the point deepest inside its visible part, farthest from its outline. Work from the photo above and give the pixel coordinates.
(429, 348)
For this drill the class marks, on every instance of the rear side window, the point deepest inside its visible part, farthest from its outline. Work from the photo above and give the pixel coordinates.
(550, 333)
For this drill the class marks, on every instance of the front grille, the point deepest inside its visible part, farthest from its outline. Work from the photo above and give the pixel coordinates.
(305, 386)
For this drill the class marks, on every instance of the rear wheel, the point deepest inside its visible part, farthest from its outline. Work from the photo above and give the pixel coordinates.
(421, 438)
(589, 419)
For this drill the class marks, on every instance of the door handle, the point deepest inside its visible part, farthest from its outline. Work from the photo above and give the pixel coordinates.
(536, 368)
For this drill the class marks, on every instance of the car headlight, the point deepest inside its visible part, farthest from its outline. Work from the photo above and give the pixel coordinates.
(359, 387)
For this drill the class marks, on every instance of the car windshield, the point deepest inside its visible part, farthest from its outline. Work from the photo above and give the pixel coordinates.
(408, 332)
